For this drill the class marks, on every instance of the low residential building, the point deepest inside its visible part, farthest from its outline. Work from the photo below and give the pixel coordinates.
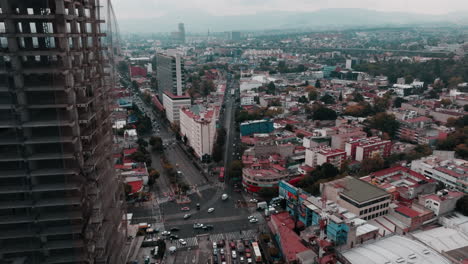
(364, 148)
(256, 127)
(403, 183)
(410, 218)
(198, 125)
(172, 103)
(321, 155)
(452, 172)
(358, 197)
(442, 202)
(339, 141)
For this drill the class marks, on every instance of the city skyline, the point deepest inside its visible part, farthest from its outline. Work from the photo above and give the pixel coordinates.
(126, 9)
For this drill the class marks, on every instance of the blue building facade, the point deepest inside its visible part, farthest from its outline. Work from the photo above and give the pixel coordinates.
(256, 127)
(309, 214)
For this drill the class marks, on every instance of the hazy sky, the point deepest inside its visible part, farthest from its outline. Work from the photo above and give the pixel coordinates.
(131, 9)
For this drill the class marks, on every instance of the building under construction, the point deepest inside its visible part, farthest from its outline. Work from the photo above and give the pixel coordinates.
(60, 199)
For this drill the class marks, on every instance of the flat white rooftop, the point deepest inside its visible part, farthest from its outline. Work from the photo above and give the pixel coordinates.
(394, 250)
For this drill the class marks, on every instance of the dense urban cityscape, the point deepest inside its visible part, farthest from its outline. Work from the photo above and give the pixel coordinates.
(303, 146)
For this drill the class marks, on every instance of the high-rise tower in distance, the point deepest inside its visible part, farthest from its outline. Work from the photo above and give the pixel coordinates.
(182, 32)
(60, 199)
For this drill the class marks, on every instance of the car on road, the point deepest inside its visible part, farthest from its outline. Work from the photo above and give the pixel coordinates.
(221, 243)
(182, 242)
(253, 220)
(224, 197)
(214, 245)
(221, 251)
(187, 216)
(234, 254)
(198, 206)
(253, 201)
(251, 217)
(197, 225)
(232, 245)
(165, 233)
(249, 260)
(215, 252)
(207, 227)
(223, 258)
(174, 237)
(210, 210)
(241, 259)
(174, 229)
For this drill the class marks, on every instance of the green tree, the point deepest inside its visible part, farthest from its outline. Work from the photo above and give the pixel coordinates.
(156, 143)
(142, 143)
(268, 193)
(371, 165)
(357, 97)
(235, 170)
(303, 100)
(398, 101)
(462, 205)
(313, 95)
(271, 88)
(323, 113)
(318, 84)
(385, 123)
(328, 99)
(289, 127)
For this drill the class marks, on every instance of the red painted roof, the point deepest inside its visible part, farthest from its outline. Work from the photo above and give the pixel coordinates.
(137, 71)
(290, 242)
(128, 152)
(157, 103)
(137, 186)
(407, 211)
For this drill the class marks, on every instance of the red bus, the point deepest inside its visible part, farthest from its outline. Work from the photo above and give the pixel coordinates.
(221, 174)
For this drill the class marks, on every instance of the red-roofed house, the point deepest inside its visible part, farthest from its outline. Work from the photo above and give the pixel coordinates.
(282, 226)
(412, 217)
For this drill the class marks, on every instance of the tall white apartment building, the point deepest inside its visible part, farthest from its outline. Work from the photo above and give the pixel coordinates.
(199, 126)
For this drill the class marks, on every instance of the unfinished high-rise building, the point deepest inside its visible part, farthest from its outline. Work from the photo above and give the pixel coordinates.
(60, 199)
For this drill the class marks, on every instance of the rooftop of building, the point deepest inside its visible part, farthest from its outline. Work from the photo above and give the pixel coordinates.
(255, 122)
(394, 177)
(290, 241)
(176, 97)
(360, 191)
(367, 141)
(394, 249)
(452, 236)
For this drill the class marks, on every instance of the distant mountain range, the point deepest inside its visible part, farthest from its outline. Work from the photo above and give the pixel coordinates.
(198, 22)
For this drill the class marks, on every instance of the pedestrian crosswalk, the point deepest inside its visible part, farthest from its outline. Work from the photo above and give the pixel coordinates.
(191, 242)
(242, 234)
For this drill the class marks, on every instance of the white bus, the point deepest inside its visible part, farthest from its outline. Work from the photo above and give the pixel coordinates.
(256, 251)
